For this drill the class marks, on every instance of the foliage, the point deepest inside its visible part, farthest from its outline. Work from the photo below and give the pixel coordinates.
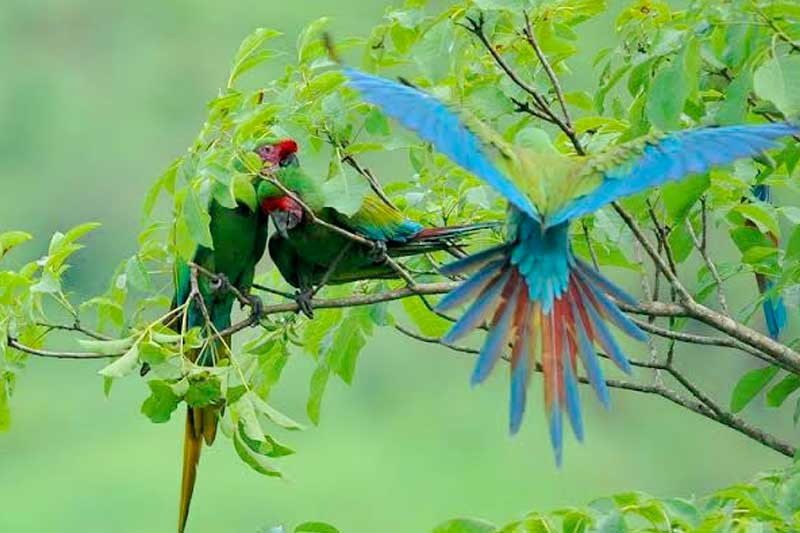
(770, 503)
(712, 63)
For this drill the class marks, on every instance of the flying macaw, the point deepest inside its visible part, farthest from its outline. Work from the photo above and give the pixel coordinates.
(304, 251)
(773, 306)
(239, 236)
(550, 305)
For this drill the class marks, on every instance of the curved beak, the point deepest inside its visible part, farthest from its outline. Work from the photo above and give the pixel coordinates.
(281, 221)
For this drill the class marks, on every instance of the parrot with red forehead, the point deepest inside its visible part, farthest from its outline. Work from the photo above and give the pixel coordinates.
(532, 290)
(305, 252)
(239, 236)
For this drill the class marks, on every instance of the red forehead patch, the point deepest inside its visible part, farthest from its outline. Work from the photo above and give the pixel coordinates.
(286, 147)
(276, 203)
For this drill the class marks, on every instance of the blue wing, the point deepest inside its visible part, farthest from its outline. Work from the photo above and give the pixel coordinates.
(672, 157)
(433, 121)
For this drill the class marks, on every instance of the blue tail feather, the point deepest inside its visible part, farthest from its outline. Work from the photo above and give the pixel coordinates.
(477, 312)
(471, 287)
(496, 340)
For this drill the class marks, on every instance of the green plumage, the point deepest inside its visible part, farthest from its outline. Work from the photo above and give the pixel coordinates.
(239, 237)
(306, 251)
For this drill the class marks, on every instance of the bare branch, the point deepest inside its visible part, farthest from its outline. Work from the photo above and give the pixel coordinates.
(714, 413)
(14, 343)
(712, 268)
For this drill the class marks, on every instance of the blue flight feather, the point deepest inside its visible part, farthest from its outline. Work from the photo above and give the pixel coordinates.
(520, 375)
(573, 399)
(496, 340)
(604, 336)
(470, 287)
(434, 122)
(591, 363)
(473, 261)
(673, 157)
(478, 310)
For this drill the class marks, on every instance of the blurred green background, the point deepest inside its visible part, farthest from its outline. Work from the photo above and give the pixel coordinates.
(96, 98)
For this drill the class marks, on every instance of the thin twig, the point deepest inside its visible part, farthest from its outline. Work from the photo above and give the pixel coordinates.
(75, 327)
(712, 268)
(698, 407)
(14, 343)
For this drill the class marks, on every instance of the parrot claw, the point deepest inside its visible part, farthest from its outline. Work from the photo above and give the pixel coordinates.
(303, 299)
(256, 305)
(378, 252)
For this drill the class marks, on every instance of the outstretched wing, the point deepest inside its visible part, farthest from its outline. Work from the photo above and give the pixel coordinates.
(633, 167)
(433, 121)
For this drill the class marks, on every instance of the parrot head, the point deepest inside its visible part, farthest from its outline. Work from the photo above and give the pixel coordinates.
(281, 162)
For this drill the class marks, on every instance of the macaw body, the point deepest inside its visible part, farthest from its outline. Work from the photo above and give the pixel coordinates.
(239, 237)
(533, 291)
(773, 306)
(305, 251)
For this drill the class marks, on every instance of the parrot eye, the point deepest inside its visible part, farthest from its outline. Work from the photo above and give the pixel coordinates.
(215, 283)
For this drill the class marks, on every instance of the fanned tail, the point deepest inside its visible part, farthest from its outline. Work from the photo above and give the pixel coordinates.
(551, 336)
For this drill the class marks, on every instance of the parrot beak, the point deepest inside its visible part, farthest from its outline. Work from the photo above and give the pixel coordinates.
(284, 221)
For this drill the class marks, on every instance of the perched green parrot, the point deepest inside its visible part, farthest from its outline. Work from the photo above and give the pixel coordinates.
(533, 291)
(305, 252)
(239, 237)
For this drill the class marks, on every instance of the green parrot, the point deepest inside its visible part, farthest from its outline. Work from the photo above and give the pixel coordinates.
(306, 253)
(239, 237)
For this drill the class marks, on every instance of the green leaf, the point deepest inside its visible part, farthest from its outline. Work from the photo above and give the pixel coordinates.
(376, 123)
(319, 381)
(124, 365)
(79, 231)
(152, 353)
(243, 191)
(252, 459)
(434, 51)
(110, 347)
(734, 107)
(309, 45)
(47, 284)
(203, 390)
(684, 511)
(680, 196)
(344, 191)
(245, 414)
(158, 407)
(11, 239)
(465, 525)
(761, 214)
(782, 390)
(197, 220)
(750, 385)
(248, 55)
(793, 246)
(5, 411)
(275, 416)
(347, 342)
(136, 274)
(428, 322)
(670, 89)
(315, 527)
(777, 80)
